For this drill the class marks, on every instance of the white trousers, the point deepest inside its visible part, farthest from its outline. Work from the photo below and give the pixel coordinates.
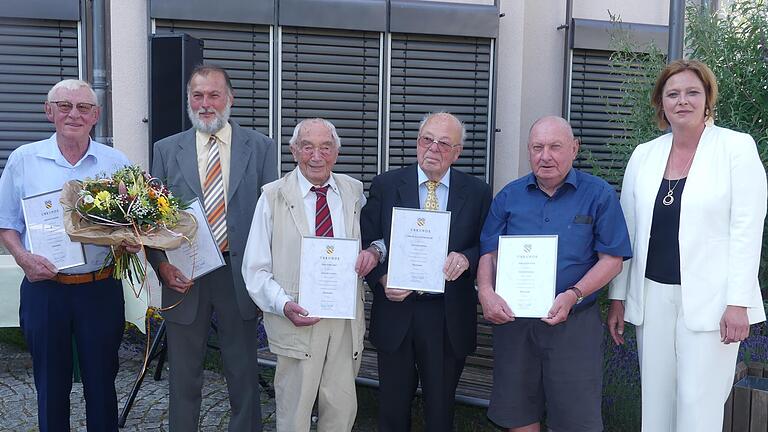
(686, 375)
(328, 375)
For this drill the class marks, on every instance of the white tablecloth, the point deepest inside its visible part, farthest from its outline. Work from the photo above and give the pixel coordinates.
(10, 280)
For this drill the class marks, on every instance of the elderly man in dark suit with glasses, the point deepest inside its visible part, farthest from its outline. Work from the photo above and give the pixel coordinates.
(426, 338)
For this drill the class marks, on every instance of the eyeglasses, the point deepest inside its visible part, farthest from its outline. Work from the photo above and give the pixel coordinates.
(66, 106)
(325, 150)
(426, 143)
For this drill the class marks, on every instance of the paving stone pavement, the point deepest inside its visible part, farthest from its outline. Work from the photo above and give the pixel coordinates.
(18, 406)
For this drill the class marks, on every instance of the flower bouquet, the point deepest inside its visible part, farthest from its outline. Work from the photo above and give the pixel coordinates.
(131, 206)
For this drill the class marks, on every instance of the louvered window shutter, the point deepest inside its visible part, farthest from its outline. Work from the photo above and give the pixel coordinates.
(334, 75)
(34, 55)
(440, 73)
(596, 99)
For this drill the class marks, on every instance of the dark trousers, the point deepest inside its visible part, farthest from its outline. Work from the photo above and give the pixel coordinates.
(425, 355)
(51, 314)
(557, 370)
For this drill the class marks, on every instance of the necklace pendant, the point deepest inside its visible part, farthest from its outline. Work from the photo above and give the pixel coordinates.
(668, 200)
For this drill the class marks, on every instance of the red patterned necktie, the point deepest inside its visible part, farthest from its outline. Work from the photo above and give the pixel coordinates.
(323, 223)
(213, 196)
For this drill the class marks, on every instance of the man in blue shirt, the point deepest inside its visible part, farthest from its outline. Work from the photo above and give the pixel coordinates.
(83, 301)
(555, 362)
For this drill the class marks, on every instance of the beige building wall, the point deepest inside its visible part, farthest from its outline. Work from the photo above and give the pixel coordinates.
(645, 12)
(529, 70)
(530, 67)
(130, 80)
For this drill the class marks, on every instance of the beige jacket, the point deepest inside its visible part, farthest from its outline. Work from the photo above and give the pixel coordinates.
(289, 225)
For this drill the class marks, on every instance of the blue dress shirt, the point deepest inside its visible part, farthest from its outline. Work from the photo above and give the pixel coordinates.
(39, 167)
(584, 213)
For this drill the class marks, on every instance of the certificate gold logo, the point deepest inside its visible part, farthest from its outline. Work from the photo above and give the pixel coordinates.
(329, 249)
(48, 204)
(421, 222)
(527, 248)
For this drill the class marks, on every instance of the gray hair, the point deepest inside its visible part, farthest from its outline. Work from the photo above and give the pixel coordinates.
(204, 71)
(297, 131)
(429, 116)
(563, 122)
(71, 84)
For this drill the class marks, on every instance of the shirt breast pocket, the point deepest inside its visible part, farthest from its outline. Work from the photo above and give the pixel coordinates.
(578, 238)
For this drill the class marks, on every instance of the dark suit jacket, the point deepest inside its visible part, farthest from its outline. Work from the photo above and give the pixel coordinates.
(468, 201)
(253, 164)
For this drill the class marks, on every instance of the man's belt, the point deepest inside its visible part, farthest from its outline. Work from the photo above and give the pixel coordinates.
(424, 296)
(71, 279)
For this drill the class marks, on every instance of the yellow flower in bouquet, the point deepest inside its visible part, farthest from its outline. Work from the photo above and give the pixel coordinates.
(102, 200)
(132, 206)
(164, 206)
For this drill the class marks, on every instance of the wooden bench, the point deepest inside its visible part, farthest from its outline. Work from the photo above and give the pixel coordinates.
(476, 380)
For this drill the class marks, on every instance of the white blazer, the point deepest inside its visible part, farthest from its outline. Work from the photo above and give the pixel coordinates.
(721, 227)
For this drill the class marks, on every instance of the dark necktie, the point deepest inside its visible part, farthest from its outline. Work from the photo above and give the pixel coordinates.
(323, 223)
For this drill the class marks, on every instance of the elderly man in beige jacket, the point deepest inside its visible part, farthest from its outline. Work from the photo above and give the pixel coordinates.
(316, 358)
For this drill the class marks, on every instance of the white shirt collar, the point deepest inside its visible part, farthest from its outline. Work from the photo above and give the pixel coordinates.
(306, 187)
(53, 152)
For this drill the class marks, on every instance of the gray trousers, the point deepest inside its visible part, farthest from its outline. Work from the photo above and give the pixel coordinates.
(187, 346)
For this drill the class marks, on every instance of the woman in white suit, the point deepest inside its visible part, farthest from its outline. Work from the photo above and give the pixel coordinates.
(695, 203)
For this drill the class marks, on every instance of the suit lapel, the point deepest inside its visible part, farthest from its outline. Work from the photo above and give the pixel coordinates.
(654, 169)
(408, 190)
(457, 194)
(238, 162)
(349, 205)
(186, 158)
(293, 196)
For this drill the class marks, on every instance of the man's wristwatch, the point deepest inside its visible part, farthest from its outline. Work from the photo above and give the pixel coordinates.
(378, 249)
(579, 295)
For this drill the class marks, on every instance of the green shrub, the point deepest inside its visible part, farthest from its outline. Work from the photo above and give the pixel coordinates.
(734, 44)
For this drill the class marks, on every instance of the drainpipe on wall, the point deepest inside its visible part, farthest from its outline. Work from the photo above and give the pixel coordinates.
(568, 34)
(101, 131)
(676, 28)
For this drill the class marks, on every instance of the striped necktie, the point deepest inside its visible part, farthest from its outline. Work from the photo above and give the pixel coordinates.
(323, 223)
(213, 193)
(431, 201)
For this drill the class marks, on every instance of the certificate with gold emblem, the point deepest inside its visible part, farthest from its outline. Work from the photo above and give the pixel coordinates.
(46, 236)
(418, 245)
(526, 272)
(327, 277)
(199, 255)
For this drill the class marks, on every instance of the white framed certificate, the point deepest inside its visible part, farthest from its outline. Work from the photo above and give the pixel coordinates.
(201, 255)
(46, 236)
(327, 277)
(418, 245)
(526, 273)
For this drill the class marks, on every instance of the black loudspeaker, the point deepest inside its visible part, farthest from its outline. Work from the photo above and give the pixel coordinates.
(173, 57)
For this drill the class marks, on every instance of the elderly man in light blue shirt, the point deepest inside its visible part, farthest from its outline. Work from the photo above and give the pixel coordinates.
(83, 302)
